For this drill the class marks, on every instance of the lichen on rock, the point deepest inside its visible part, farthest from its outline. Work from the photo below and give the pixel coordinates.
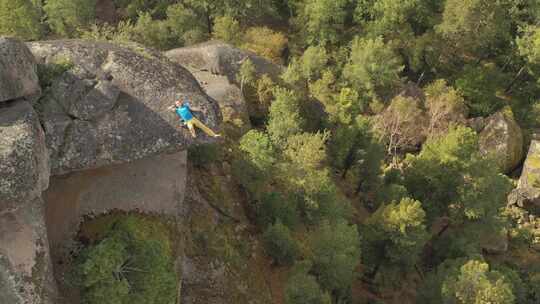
(18, 69)
(24, 166)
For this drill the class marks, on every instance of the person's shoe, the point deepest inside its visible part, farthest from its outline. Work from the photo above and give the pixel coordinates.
(217, 135)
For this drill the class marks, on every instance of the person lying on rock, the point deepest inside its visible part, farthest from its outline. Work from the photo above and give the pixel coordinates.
(183, 110)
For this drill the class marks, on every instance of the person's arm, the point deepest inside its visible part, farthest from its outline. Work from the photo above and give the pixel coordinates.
(194, 108)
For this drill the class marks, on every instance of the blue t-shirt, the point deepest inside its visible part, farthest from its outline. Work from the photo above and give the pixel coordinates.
(184, 112)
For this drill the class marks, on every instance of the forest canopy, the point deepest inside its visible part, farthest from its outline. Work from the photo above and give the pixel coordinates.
(365, 168)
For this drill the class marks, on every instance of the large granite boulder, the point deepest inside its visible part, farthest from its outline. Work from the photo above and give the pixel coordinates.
(24, 167)
(18, 70)
(502, 138)
(527, 193)
(107, 104)
(25, 263)
(230, 98)
(222, 59)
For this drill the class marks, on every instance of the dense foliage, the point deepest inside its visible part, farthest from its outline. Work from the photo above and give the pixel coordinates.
(133, 263)
(364, 169)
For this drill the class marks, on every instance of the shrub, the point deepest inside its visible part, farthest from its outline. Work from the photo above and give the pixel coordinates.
(279, 244)
(265, 42)
(132, 264)
(19, 18)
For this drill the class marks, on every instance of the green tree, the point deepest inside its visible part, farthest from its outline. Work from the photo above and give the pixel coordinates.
(302, 288)
(465, 281)
(133, 8)
(302, 171)
(335, 255)
(475, 26)
(19, 18)
(276, 206)
(265, 91)
(227, 29)
(153, 33)
(259, 149)
(66, 17)
(132, 264)
(185, 24)
(284, 119)
(393, 18)
(529, 48)
(341, 105)
(246, 74)
(373, 68)
(356, 148)
(480, 86)
(395, 235)
(323, 20)
(208, 10)
(452, 180)
(313, 61)
(279, 244)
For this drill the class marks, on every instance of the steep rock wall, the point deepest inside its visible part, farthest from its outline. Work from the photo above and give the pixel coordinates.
(105, 111)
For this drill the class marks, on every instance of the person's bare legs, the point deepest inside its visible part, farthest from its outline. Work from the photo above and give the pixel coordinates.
(205, 129)
(191, 128)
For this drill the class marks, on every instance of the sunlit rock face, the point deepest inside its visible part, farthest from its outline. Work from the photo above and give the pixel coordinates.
(110, 104)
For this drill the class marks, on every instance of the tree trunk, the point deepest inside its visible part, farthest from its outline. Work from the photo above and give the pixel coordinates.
(516, 78)
(209, 21)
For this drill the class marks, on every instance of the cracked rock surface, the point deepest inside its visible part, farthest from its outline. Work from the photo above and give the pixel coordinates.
(110, 104)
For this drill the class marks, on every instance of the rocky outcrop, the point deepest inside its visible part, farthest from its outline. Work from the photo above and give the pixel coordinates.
(222, 59)
(502, 139)
(109, 104)
(102, 106)
(18, 69)
(25, 266)
(24, 167)
(527, 193)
